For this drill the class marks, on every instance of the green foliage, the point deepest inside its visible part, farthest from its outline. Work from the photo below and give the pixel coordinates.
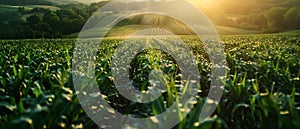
(36, 86)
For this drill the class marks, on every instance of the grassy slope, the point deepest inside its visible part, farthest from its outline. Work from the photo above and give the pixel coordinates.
(291, 32)
(129, 29)
(116, 31)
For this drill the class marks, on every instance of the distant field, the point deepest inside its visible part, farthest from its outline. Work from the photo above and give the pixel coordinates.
(43, 6)
(8, 8)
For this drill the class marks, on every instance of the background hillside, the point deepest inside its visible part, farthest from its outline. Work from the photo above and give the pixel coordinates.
(65, 18)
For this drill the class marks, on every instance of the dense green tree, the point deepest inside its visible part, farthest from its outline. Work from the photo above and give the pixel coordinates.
(51, 18)
(35, 22)
(39, 10)
(66, 13)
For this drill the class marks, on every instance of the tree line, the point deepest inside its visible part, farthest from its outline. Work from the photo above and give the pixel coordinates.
(45, 23)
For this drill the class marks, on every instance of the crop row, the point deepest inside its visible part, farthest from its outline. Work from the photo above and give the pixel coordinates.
(261, 88)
